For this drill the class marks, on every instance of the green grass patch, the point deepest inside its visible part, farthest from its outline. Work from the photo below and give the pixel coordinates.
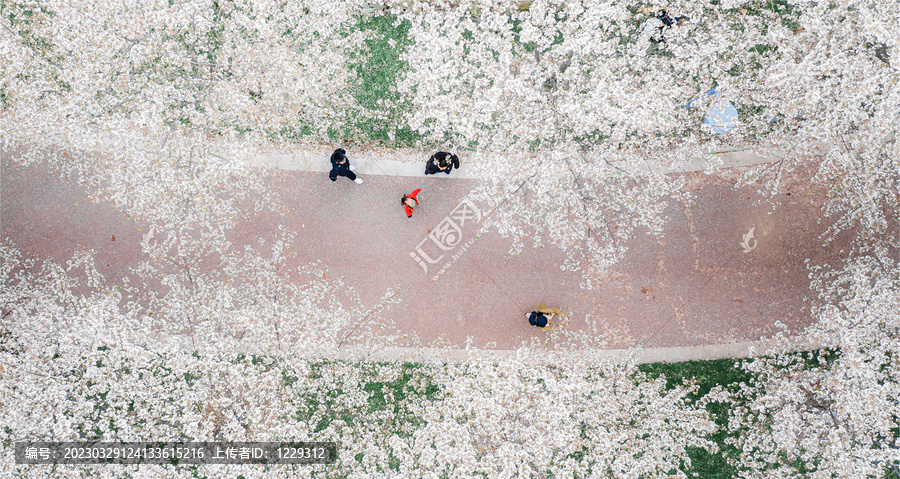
(399, 390)
(785, 13)
(706, 375)
(414, 384)
(377, 69)
(729, 374)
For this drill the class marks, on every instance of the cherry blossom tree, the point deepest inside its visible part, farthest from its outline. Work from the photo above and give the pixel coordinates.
(833, 412)
(561, 415)
(209, 68)
(837, 415)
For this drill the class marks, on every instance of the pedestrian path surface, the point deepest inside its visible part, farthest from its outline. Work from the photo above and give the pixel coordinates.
(694, 286)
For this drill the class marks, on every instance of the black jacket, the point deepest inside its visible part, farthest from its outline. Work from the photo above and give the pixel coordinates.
(537, 319)
(441, 157)
(337, 157)
(338, 169)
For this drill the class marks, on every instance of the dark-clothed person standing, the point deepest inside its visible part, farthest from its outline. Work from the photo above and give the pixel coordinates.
(441, 161)
(340, 166)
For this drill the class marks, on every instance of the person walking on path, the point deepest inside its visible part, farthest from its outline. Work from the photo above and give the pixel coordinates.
(340, 166)
(409, 202)
(441, 161)
(543, 317)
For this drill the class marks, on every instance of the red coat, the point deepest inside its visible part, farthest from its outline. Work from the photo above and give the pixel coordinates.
(413, 196)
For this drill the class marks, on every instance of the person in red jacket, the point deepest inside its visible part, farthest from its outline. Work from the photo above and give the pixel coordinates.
(409, 202)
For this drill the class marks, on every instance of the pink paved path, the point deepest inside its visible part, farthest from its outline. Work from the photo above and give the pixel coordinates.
(694, 286)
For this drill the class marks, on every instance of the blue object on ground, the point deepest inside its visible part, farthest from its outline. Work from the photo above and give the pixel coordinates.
(722, 117)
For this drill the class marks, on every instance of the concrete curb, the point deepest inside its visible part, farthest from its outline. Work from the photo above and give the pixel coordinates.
(411, 162)
(408, 162)
(642, 356)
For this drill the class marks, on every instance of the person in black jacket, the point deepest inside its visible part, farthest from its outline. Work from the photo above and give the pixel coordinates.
(441, 161)
(340, 166)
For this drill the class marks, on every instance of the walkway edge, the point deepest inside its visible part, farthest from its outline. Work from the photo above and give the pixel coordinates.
(642, 355)
(408, 162)
(411, 162)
